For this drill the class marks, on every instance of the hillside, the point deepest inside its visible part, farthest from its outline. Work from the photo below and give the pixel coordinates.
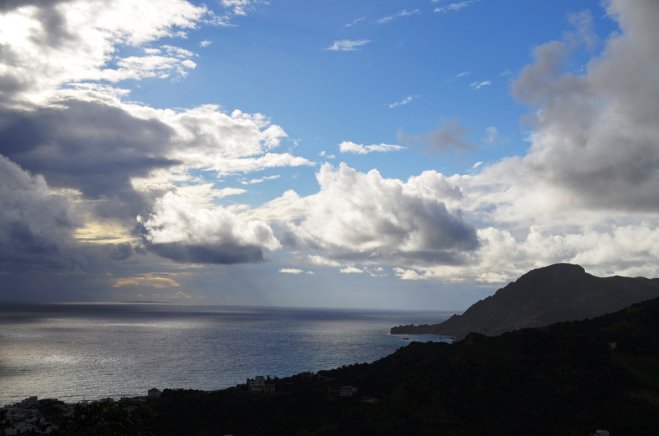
(568, 379)
(556, 293)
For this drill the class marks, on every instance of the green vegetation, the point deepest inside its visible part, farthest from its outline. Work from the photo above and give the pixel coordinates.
(567, 379)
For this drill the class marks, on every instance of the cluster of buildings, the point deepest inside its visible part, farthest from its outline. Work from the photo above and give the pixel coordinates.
(263, 385)
(260, 385)
(25, 417)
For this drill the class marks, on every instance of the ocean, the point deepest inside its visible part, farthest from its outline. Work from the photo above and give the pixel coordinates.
(77, 352)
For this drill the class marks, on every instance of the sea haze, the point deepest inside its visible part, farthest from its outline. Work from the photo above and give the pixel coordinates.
(88, 351)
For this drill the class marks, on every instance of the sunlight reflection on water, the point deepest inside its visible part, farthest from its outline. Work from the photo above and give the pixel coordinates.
(85, 352)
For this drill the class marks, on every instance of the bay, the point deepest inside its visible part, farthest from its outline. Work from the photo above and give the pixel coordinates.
(79, 352)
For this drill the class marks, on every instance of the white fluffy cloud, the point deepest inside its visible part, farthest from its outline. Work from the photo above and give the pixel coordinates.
(588, 189)
(192, 229)
(366, 217)
(596, 134)
(49, 44)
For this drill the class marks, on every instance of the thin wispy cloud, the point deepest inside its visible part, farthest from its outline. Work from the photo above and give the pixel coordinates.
(478, 85)
(326, 155)
(406, 100)
(453, 7)
(239, 7)
(294, 271)
(351, 147)
(348, 44)
(491, 135)
(355, 22)
(259, 180)
(463, 74)
(205, 43)
(506, 73)
(399, 14)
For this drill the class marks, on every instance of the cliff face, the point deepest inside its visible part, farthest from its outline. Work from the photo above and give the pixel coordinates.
(560, 292)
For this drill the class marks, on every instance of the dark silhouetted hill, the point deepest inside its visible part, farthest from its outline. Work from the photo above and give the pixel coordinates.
(556, 293)
(570, 378)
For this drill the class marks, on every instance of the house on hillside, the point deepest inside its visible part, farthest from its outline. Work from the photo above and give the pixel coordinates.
(347, 391)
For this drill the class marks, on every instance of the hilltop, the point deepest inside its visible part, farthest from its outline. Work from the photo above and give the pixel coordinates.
(556, 293)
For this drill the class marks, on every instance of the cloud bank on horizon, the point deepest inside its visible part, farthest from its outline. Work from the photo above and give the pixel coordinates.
(101, 190)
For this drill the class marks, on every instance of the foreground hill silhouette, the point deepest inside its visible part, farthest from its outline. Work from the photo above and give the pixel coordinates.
(556, 293)
(566, 379)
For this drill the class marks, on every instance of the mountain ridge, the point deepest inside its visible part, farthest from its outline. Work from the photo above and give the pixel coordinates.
(540, 297)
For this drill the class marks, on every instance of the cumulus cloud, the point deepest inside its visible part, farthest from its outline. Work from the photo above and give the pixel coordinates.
(365, 217)
(348, 44)
(596, 134)
(586, 191)
(48, 44)
(193, 230)
(323, 261)
(351, 147)
(409, 274)
(351, 269)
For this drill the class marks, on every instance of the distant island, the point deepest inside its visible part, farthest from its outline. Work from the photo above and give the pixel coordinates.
(594, 377)
(556, 293)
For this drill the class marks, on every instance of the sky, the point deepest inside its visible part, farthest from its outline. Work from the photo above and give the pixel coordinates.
(372, 154)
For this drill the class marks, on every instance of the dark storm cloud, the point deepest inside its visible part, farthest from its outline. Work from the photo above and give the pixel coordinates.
(88, 146)
(226, 254)
(121, 251)
(35, 225)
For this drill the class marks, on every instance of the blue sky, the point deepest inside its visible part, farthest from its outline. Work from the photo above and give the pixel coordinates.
(355, 154)
(275, 61)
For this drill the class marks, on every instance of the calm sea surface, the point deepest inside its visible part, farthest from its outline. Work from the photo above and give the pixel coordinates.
(90, 351)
